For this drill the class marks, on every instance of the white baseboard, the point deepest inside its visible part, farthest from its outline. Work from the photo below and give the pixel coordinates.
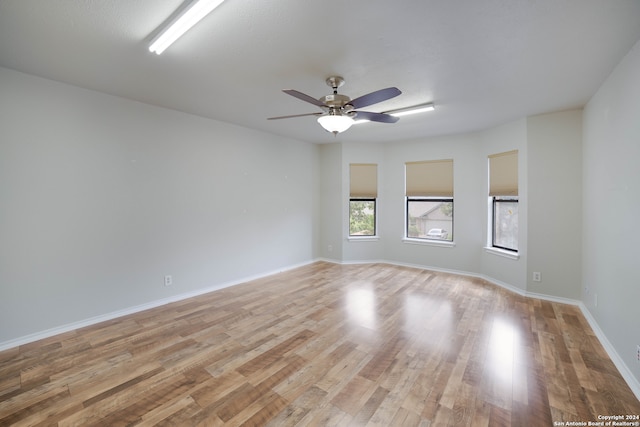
(624, 370)
(5, 345)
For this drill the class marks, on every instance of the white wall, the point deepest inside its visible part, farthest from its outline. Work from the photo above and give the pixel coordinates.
(331, 217)
(101, 197)
(554, 143)
(611, 208)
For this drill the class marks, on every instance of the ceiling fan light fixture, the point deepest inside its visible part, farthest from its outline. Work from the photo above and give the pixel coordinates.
(189, 17)
(335, 123)
(421, 108)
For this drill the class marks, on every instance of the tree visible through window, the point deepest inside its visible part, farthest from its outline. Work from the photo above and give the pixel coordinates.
(362, 217)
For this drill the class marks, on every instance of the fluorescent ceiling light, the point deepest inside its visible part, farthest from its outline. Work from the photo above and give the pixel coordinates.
(189, 17)
(335, 123)
(420, 108)
(412, 110)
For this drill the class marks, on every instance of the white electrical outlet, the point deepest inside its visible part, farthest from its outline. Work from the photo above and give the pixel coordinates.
(537, 277)
(168, 280)
(638, 353)
(330, 248)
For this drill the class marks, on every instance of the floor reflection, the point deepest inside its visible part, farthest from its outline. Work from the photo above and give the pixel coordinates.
(501, 353)
(361, 306)
(428, 319)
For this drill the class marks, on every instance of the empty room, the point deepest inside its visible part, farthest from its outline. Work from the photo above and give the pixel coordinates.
(305, 213)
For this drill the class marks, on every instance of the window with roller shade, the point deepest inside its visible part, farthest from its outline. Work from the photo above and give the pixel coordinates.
(429, 200)
(503, 199)
(363, 192)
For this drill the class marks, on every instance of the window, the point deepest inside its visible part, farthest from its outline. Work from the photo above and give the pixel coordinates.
(430, 218)
(362, 217)
(363, 192)
(503, 197)
(429, 198)
(505, 223)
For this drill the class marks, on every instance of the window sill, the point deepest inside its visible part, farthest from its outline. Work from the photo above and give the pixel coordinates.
(424, 242)
(502, 253)
(363, 238)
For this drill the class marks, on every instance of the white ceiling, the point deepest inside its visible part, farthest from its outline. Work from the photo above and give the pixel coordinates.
(483, 62)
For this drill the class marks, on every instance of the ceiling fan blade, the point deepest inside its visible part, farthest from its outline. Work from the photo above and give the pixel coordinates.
(294, 115)
(375, 97)
(376, 117)
(304, 97)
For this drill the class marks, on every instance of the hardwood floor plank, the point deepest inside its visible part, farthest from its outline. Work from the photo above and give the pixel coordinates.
(419, 391)
(268, 407)
(500, 417)
(31, 398)
(463, 409)
(35, 405)
(326, 416)
(271, 356)
(354, 394)
(296, 411)
(333, 378)
(323, 345)
(406, 418)
(163, 412)
(238, 400)
(370, 407)
(9, 384)
(383, 358)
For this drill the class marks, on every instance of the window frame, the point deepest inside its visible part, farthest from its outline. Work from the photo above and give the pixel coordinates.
(494, 200)
(409, 199)
(375, 217)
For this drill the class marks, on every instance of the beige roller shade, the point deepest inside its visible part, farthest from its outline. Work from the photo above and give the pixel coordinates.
(503, 174)
(363, 180)
(433, 178)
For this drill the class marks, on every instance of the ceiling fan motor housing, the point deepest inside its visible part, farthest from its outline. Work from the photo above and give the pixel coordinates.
(338, 104)
(336, 100)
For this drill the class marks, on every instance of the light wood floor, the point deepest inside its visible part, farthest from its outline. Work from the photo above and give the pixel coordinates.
(324, 345)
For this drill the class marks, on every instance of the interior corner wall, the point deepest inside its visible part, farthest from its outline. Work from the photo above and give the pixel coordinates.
(331, 205)
(611, 204)
(102, 197)
(554, 156)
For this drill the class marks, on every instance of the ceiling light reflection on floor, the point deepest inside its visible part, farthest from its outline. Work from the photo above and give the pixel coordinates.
(502, 350)
(361, 307)
(429, 320)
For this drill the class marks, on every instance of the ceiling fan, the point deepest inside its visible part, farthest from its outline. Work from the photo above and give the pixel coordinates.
(339, 111)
